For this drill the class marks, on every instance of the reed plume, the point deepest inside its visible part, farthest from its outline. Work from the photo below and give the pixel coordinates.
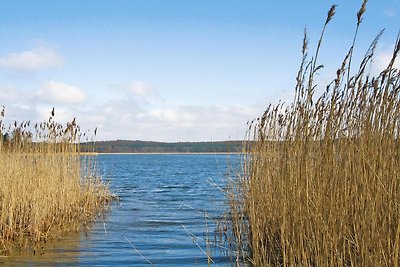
(321, 183)
(46, 186)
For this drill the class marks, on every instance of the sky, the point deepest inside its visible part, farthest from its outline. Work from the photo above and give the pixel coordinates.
(176, 70)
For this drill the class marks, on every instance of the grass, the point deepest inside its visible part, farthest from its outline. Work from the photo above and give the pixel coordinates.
(46, 186)
(321, 183)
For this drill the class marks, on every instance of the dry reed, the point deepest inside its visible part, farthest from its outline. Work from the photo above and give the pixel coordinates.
(46, 186)
(321, 184)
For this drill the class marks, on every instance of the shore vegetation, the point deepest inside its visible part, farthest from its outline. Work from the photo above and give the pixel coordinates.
(47, 187)
(321, 183)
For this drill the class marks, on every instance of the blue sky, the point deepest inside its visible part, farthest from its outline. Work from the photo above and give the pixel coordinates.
(170, 70)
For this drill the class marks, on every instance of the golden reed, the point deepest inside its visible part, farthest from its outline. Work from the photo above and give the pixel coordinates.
(321, 183)
(46, 186)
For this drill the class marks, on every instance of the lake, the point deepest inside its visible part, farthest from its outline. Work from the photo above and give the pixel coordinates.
(167, 215)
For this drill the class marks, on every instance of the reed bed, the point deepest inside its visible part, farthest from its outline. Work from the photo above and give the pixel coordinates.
(46, 186)
(321, 183)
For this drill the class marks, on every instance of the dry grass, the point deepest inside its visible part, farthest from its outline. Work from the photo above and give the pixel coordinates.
(46, 186)
(322, 175)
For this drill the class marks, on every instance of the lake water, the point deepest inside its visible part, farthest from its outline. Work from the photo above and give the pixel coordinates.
(166, 216)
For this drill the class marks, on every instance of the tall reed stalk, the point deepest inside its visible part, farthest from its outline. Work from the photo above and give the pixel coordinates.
(46, 186)
(321, 184)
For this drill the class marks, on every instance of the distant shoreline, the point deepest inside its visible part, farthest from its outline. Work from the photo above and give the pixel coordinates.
(164, 153)
(149, 147)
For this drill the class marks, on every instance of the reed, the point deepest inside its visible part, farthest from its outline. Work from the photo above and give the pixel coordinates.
(46, 186)
(321, 183)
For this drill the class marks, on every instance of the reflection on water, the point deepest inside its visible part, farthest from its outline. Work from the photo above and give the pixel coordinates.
(63, 252)
(164, 216)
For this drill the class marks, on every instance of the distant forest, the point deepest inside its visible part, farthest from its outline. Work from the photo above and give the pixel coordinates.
(126, 146)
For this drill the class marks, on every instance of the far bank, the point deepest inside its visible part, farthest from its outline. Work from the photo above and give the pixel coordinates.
(146, 147)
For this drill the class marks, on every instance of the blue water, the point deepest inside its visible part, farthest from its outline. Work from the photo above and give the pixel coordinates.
(167, 214)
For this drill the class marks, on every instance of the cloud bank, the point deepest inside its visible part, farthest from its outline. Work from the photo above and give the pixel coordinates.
(60, 93)
(35, 59)
(382, 60)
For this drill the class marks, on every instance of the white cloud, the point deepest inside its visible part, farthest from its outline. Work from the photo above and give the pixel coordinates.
(196, 123)
(382, 60)
(60, 93)
(140, 89)
(172, 123)
(10, 94)
(124, 118)
(171, 115)
(37, 58)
